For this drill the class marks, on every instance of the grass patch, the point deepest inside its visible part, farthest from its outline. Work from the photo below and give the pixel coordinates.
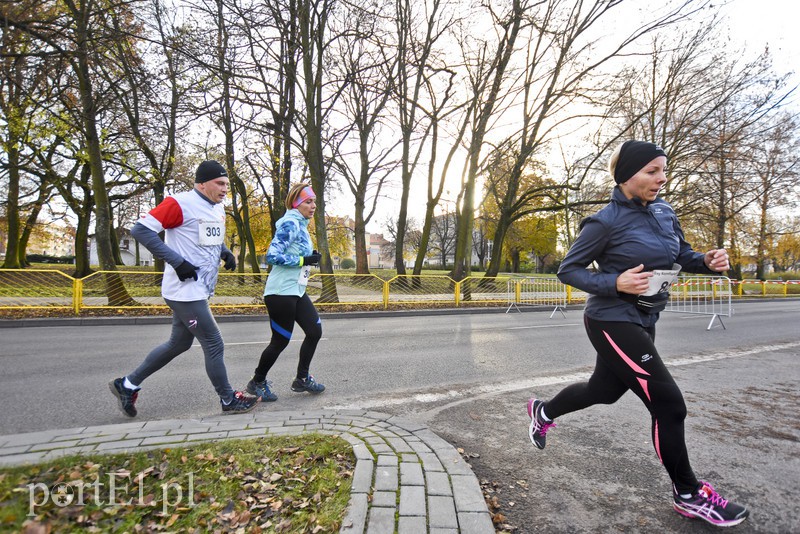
(271, 484)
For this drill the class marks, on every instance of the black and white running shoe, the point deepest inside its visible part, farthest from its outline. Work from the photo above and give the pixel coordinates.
(708, 505)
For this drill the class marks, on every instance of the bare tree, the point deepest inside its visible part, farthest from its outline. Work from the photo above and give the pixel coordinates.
(701, 105)
(488, 69)
(79, 35)
(270, 83)
(362, 152)
(777, 168)
(146, 83)
(443, 237)
(417, 35)
(18, 79)
(437, 113)
(562, 58)
(314, 16)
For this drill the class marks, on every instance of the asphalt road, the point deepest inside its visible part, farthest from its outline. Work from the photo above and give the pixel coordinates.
(468, 377)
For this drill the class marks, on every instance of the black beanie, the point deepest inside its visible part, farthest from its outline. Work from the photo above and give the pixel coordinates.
(633, 156)
(209, 170)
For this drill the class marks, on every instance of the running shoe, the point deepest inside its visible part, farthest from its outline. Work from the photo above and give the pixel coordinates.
(309, 384)
(241, 403)
(126, 397)
(261, 389)
(538, 427)
(708, 505)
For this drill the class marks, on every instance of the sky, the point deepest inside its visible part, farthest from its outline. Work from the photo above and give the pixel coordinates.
(774, 22)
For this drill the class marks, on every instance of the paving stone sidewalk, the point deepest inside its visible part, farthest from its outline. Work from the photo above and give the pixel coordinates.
(407, 479)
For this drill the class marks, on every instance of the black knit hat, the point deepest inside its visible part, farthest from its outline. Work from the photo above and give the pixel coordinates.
(633, 156)
(209, 170)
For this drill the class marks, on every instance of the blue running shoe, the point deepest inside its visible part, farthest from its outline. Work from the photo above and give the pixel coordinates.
(309, 384)
(240, 403)
(261, 389)
(126, 397)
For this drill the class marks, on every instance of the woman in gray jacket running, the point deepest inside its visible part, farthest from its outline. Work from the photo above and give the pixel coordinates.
(635, 234)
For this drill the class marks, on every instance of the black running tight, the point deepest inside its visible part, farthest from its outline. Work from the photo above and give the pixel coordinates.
(284, 311)
(627, 359)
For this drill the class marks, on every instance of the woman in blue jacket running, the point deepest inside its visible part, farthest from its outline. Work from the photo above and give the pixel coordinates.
(291, 255)
(633, 235)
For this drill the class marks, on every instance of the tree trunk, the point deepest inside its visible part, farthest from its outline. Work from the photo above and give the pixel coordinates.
(158, 195)
(114, 240)
(12, 260)
(116, 293)
(82, 267)
(360, 236)
(313, 20)
(497, 252)
(761, 246)
(30, 222)
(463, 256)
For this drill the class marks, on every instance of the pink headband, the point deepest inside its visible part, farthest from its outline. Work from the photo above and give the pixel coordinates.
(304, 195)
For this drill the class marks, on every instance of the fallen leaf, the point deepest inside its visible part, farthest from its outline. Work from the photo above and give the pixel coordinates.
(498, 518)
(34, 527)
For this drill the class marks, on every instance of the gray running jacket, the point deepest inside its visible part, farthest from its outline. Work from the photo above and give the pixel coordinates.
(619, 237)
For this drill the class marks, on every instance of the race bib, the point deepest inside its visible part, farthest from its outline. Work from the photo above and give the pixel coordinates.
(211, 233)
(305, 272)
(662, 280)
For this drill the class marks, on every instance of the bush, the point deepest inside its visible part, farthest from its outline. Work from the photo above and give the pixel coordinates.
(785, 275)
(347, 263)
(46, 258)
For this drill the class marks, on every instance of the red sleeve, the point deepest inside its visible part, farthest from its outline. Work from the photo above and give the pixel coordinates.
(168, 213)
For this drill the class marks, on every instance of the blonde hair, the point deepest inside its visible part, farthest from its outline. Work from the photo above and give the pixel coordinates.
(294, 192)
(612, 162)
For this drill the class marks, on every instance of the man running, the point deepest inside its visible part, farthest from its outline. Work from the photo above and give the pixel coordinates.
(194, 224)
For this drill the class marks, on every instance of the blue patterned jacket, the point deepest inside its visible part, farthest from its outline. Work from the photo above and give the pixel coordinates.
(290, 244)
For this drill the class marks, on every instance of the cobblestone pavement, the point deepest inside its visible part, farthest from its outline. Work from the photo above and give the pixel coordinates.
(407, 479)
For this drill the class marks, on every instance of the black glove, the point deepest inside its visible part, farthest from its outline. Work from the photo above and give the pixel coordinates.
(312, 259)
(229, 259)
(186, 270)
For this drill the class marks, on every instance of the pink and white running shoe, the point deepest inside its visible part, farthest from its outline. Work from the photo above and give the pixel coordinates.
(538, 427)
(708, 505)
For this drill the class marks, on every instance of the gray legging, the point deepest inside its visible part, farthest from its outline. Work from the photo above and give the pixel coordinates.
(190, 320)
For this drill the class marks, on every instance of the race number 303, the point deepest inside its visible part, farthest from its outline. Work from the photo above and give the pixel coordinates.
(211, 233)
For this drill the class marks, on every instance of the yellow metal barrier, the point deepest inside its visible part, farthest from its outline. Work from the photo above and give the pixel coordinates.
(22, 289)
(235, 290)
(137, 289)
(792, 287)
(422, 289)
(77, 291)
(35, 288)
(114, 289)
(338, 290)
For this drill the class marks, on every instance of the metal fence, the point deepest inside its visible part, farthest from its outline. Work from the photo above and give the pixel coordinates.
(702, 295)
(765, 288)
(57, 292)
(537, 291)
(34, 289)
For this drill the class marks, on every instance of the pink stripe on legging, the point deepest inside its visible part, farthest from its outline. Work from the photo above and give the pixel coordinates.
(655, 442)
(624, 356)
(643, 383)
